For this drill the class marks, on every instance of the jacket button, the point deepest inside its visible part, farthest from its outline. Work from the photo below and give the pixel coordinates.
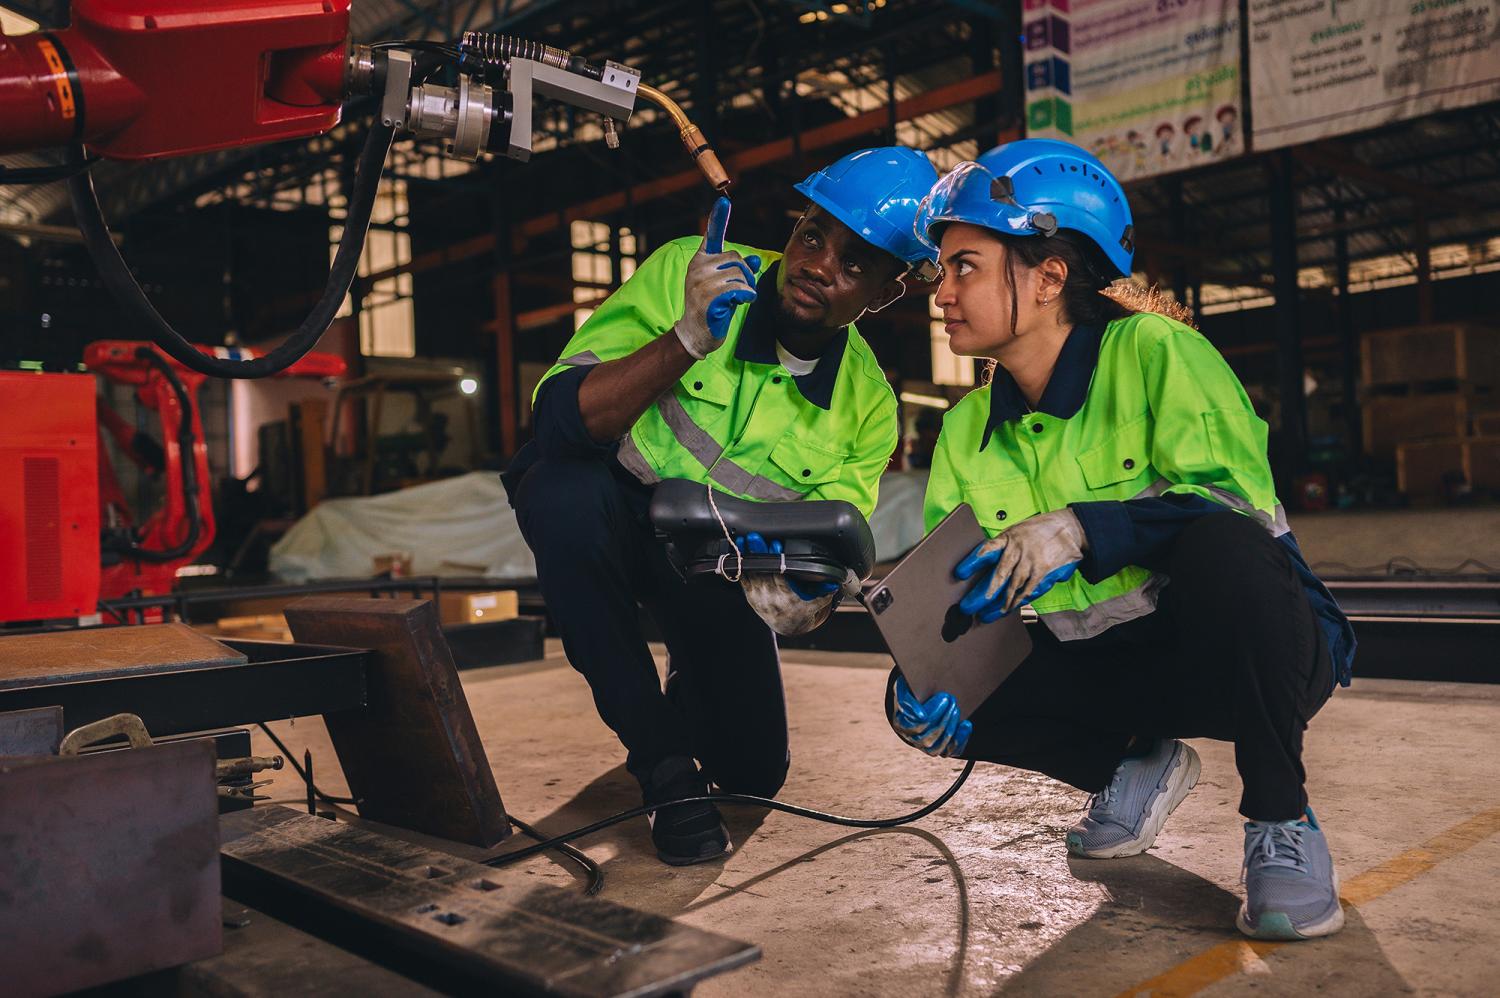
(999, 514)
(1036, 427)
(776, 380)
(806, 472)
(1129, 463)
(697, 386)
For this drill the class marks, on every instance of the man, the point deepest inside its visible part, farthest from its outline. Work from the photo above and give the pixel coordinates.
(780, 400)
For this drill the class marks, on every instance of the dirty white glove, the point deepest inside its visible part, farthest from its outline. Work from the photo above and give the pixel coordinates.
(1028, 559)
(785, 612)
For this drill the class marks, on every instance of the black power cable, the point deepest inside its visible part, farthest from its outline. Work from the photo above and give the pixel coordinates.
(766, 802)
(292, 761)
(123, 286)
(595, 874)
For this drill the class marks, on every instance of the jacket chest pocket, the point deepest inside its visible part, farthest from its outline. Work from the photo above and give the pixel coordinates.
(808, 464)
(1123, 456)
(1002, 504)
(706, 383)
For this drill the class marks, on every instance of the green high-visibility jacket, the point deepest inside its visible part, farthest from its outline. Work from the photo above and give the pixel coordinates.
(743, 424)
(1163, 414)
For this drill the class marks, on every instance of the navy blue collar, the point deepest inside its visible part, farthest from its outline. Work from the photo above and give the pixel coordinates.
(1065, 392)
(757, 344)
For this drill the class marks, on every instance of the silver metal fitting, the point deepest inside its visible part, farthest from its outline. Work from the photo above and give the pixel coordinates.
(461, 115)
(397, 89)
(359, 70)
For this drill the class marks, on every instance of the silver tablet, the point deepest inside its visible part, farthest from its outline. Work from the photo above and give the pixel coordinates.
(937, 646)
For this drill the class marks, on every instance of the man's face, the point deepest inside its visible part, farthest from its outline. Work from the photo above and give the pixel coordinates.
(830, 276)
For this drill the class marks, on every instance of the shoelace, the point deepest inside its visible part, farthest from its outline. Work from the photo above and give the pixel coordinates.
(1279, 844)
(1104, 800)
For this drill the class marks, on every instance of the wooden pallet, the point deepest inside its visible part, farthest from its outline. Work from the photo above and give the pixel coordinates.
(1462, 353)
(1422, 465)
(1393, 420)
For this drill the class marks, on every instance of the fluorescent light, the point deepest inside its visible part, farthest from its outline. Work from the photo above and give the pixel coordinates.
(468, 386)
(931, 401)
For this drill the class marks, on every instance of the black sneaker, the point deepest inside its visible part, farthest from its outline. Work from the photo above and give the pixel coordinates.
(688, 833)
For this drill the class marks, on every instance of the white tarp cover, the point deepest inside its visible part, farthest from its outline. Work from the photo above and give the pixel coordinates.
(457, 526)
(465, 526)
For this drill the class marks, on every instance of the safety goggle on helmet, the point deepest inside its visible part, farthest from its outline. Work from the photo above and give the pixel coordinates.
(1034, 187)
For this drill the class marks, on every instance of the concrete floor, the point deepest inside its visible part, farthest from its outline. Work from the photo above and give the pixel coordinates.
(980, 897)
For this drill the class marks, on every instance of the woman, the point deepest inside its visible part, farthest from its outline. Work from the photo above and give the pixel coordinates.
(1121, 472)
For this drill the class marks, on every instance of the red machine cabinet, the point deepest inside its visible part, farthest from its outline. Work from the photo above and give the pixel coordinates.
(49, 496)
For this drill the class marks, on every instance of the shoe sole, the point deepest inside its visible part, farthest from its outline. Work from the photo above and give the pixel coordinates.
(1278, 925)
(1180, 782)
(674, 860)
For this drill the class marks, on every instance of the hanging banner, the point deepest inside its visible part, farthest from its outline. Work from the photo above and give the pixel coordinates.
(1327, 67)
(1148, 86)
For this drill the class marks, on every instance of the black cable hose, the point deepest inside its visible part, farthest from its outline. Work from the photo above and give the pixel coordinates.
(132, 300)
(292, 761)
(589, 867)
(189, 475)
(766, 802)
(595, 874)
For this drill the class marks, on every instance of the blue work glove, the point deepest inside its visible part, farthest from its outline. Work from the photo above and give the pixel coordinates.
(754, 543)
(1024, 562)
(717, 283)
(934, 727)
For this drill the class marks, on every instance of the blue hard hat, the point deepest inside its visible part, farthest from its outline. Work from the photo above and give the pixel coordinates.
(876, 193)
(1035, 187)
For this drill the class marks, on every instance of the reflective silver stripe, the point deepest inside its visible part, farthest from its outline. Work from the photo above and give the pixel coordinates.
(586, 359)
(1077, 625)
(632, 460)
(696, 441)
(1274, 522)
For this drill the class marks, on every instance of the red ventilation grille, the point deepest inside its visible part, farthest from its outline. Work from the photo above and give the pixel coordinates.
(44, 562)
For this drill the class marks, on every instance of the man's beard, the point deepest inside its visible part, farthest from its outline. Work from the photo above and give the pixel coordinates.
(793, 325)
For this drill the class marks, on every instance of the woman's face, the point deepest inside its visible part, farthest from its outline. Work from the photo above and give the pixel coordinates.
(975, 294)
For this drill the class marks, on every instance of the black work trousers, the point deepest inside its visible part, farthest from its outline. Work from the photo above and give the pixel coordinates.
(597, 561)
(1232, 652)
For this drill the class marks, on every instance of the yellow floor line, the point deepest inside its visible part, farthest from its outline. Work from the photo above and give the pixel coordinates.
(1230, 958)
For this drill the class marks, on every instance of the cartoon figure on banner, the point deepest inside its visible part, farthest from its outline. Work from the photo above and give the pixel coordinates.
(1164, 135)
(1136, 143)
(1200, 143)
(1226, 116)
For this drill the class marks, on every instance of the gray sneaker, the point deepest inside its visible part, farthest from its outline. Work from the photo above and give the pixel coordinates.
(1291, 887)
(1125, 817)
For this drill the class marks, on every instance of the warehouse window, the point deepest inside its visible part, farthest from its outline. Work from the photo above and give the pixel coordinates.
(387, 323)
(947, 367)
(594, 245)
